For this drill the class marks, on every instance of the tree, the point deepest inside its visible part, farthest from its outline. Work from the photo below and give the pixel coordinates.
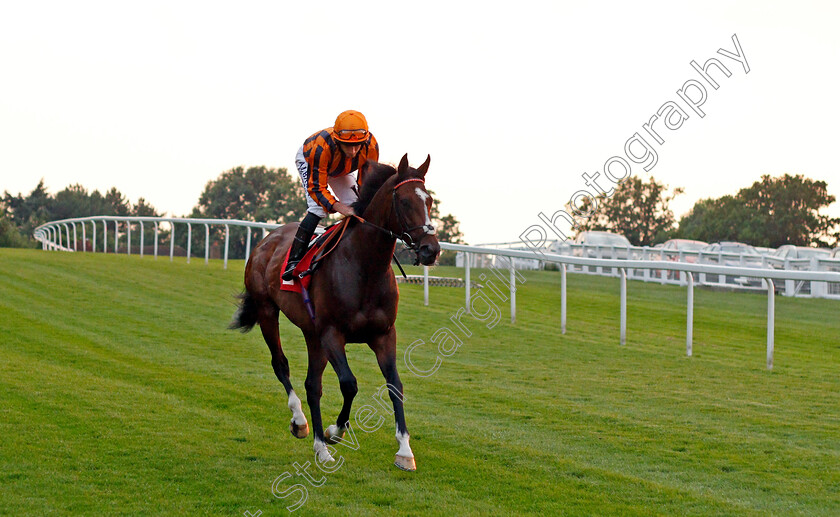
(144, 209)
(257, 194)
(116, 203)
(448, 227)
(10, 237)
(770, 213)
(75, 201)
(448, 230)
(713, 220)
(786, 211)
(27, 213)
(636, 209)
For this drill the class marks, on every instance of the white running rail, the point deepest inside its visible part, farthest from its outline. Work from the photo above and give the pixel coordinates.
(56, 235)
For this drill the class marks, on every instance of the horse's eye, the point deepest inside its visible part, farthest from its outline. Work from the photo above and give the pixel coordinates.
(405, 203)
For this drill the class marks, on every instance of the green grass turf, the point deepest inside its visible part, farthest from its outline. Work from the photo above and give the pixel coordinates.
(123, 394)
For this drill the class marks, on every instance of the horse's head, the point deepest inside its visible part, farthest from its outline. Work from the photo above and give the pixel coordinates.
(412, 208)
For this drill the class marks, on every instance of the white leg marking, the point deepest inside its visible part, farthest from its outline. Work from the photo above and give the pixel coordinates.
(424, 196)
(405, 449)
(297, 413)
(321, 451)
(336, 431)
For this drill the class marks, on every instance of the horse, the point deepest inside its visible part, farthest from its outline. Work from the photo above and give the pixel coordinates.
(354, 295)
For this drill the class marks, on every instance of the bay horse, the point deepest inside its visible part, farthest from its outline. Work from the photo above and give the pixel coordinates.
(354, 295)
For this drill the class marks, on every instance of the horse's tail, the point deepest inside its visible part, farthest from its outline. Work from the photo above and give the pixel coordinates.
(246, 315)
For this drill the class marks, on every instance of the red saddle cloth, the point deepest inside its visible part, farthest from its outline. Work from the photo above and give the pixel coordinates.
(306, 262)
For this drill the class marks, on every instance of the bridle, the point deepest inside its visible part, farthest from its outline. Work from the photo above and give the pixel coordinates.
(405, 234)
(406, 231)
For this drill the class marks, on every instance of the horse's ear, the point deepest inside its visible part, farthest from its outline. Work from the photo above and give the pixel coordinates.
(425, 167)
(403, 166)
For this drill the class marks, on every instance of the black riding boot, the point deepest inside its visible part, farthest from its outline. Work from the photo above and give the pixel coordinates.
(301, 243)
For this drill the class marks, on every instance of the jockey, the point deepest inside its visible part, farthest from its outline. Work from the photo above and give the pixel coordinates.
(329, 158)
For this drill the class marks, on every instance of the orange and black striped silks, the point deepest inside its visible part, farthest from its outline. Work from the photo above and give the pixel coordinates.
(325, 159)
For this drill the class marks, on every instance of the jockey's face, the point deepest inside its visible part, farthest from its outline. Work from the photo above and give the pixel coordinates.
(350, 150)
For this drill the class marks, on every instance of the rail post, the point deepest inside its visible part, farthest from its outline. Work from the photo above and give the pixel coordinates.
(562, 298)
(248, 245)
(426, 285)
(512, 292)
(189, 242)
(689, 324)
(771, 319)
(467, 257)
(227, 240)
(623, 325)
(171, 241)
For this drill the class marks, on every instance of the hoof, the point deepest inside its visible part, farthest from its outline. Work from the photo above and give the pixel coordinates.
(299, 431)
(322, 452)
(405, 463)
(334, 434)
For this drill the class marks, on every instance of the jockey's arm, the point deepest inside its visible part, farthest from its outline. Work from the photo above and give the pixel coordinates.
(343, 209)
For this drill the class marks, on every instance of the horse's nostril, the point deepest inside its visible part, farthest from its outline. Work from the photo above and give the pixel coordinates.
(427, 254)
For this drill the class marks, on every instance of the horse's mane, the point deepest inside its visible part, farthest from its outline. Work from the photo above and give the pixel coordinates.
(374, 175)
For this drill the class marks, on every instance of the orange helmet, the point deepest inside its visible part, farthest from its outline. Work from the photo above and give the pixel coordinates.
(350, 127)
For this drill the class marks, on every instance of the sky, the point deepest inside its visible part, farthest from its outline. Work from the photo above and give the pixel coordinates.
(513, 101)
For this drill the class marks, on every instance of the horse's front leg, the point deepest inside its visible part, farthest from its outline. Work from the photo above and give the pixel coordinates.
(385, 348)
(334, 343)
(314, 375)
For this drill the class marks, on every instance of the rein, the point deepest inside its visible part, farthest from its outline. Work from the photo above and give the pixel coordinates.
(405, 236)
(334, 238)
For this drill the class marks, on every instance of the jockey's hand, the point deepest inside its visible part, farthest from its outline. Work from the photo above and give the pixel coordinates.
(343, 209)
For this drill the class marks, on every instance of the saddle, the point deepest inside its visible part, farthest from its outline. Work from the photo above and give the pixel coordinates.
(319, 247)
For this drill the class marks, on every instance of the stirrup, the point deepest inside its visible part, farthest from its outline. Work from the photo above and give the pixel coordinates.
(289, 274)
(296, 254)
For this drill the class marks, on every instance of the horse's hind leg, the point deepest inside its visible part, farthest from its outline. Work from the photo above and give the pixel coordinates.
(267, 318)
(385, 348)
